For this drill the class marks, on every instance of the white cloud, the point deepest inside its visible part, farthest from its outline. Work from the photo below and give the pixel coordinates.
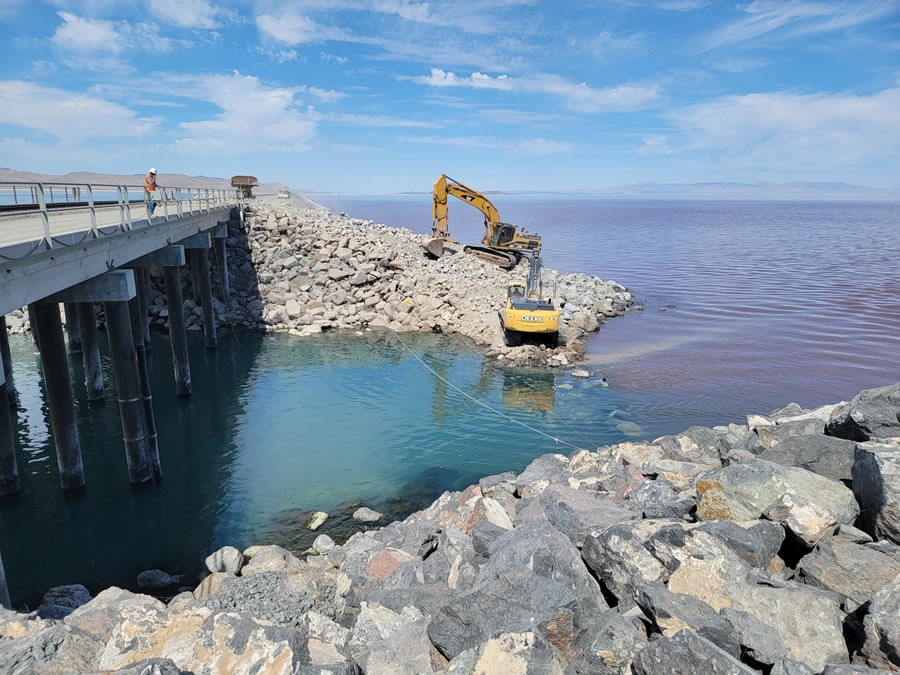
(290, 28)
(354, 119)
(578, 96)
(67, 115)
(796, 130)
(332, 58)
(525, 146)
(190, 13)
(798, 17)
(656, 144)
(101, 36)
(254, 117)
(325, 95)
(8, 8)
(606, 42)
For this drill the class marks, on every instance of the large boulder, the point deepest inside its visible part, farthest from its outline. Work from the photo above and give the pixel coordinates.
(271, 559)
(226, 559)
(882, 646)
(685, 654)
(57, 650)
(825, 455)
(744, 490)
(852, 571)
(100, 616)
(876, 484)
(576, 513)
(872, 414)
(699, 445)
(61, 601)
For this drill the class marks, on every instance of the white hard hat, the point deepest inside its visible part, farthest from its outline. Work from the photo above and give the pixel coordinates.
(152, 170)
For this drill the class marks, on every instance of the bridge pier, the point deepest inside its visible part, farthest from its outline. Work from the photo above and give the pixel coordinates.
(171, 259)
(93, 375)
(6, 357)
(34, 336)
(198, 245)
(144, 286)
(9, 470)
(59, 393)
(137, 323)
(73, 330)
(4, 589)
(220, 234)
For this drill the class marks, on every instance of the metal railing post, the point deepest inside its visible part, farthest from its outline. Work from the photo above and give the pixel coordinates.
(180, 204)
(15, 198)
(127, 206)
(165, 201)
(121, 207)
(94, 232)
(45, 218)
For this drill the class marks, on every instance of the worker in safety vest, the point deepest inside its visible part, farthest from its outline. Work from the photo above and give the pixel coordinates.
(149, 188)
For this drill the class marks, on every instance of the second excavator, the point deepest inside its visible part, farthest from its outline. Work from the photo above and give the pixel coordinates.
(503, 244)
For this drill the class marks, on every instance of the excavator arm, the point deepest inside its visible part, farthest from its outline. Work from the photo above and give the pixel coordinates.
(444, 186)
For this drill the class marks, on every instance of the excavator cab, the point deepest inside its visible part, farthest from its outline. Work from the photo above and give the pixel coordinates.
(515, 290)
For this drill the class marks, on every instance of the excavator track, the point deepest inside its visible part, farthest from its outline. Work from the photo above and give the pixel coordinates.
(504, 259)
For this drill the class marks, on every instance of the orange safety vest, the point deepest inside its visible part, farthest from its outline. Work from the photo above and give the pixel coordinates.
(149, 185)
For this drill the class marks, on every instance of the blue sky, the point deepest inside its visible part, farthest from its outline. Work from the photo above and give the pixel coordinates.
(384, 95)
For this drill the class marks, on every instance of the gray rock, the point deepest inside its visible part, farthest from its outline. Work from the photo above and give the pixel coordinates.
(852, 571)
(71, 596)
(791, 667)
(156, 580)
(760, 642)
(825, 455)
(872, 414)
(743, 491)
(611, 646)
(657, 499)
(323, 543)
(271, 559)
(406, 652)
(771, 436)
(852, 670)
(57, 650)
(367, 515)
(755, 542)
(226, 559)
(498, 485)
(882, 646)
(576, 513)
(686, 654)
(546, 469)
(517, 601)
(876, 484)
(852, 534)
(271, 596)
(805, 521)
(523, 653)
(153, 666)
(700, 445)
(102, 614)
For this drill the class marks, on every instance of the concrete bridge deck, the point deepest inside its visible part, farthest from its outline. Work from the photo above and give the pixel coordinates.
(52, 246)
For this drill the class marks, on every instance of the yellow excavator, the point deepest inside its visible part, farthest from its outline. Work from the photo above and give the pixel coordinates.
(503, 244)
(530, 315)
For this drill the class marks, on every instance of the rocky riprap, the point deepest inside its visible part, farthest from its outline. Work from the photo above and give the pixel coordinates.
(693, 553)
(306, 270)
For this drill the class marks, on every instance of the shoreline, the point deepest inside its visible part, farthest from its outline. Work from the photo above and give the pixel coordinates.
(735, 549)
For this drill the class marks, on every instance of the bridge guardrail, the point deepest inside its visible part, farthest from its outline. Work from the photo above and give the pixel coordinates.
(36, 217)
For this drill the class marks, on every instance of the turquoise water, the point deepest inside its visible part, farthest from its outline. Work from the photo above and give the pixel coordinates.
(278, 426)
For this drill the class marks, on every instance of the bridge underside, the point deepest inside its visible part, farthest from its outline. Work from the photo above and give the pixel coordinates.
(41, 274)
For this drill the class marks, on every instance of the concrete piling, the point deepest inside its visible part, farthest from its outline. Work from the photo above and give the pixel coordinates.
(93, 375)
(200, 261)
(142, 276)
(222, 267)
(9, 470)
(195, 280)
(73, 330)
(34, 336)
(4, 589)
(59, 393)
(7, 361)
(177, 331)
(128, 389)
(137, 322)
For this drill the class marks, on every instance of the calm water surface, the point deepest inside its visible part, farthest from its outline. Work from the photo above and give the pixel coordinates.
(764, 303)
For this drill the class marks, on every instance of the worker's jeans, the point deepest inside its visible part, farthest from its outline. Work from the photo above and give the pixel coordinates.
(151, 207)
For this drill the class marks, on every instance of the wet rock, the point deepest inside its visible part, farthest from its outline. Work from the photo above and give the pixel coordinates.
(876, 484)
(56, 650)
(852, 571)
(871, 414)
(60, 601)
(825, 455)
(576, 513)
(808, 523)
(743, 491)
(271, 559)
(686, 653)
(367, 515)
(316, 521)
(226, 559)
(882, 629)
(156, 580)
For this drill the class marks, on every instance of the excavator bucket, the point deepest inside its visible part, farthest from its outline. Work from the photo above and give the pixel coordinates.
(434, 248)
